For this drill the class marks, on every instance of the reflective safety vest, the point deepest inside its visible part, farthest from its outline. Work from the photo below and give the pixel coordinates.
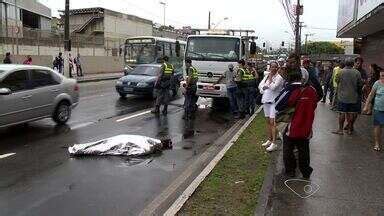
(168, 69)
(194, 74)
(247, 75)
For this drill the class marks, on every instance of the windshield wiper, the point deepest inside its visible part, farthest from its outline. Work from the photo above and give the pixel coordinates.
(221, 56)
(199, 54)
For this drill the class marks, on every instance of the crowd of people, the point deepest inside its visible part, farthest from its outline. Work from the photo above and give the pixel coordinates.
(290, 94)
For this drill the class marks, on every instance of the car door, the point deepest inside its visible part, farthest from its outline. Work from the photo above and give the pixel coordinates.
(15, 107)
(45, 88)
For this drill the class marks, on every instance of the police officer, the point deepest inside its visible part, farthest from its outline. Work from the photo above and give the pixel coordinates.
(242, 79)
(163, 86)
(251, 75)
(191, 88)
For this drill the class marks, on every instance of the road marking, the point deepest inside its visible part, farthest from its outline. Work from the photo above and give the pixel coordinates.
(178, 204)
(6, 155)
(133, 116)
(81, 125)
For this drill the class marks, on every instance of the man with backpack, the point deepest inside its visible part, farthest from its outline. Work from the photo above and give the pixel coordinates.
(303, 100)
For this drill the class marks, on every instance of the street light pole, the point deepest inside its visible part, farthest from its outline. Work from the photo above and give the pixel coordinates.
(164, 5)
(297, 29)
(67, 41)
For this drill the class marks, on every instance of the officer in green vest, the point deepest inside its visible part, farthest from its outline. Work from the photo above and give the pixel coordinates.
(244, 77)
(191, 88)
(252, 88)
(163, 86)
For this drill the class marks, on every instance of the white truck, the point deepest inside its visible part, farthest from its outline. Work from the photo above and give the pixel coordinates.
(211, 54)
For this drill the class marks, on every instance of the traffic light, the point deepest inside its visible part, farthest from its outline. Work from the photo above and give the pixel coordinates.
(264, 44)
(282, 43)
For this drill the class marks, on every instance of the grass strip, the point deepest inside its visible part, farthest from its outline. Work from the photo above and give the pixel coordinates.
(233, 186)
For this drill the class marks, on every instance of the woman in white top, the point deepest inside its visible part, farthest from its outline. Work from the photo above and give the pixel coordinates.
(271, 87)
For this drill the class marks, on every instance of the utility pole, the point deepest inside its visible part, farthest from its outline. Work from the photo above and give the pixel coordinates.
(67, 41)
(164, 5)
(297, 29)
(209, 20)
(306, 42)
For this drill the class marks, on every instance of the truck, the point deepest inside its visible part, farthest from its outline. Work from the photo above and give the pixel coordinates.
(211, 53)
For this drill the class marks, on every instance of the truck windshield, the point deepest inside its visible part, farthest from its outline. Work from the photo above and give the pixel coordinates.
(213, 49)
(140, 53)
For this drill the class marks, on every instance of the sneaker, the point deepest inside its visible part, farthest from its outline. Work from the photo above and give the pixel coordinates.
(272, 147)
(268, 143)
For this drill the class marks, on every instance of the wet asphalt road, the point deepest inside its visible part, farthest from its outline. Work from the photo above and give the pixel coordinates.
(42, 179)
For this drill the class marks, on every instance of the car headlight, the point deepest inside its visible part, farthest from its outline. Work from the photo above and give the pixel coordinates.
(142, 84)
(119, 82)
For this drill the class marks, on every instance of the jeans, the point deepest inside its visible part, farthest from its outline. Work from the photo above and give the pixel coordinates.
(231, 92)
(251, 98)
(289, 159)
(242, 95)
(190, 101)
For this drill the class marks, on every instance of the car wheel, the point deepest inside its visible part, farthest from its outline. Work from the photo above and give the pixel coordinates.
(122, 95)
(62, 113)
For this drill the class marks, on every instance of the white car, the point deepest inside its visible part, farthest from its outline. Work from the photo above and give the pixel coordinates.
(29, 93)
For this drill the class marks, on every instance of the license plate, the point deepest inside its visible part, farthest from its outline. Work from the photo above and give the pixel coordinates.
(127, 89)
(209, 87)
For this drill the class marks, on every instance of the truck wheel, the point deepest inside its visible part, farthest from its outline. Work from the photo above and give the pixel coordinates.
(62, 113)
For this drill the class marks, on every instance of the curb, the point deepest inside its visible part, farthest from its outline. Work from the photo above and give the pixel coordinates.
(97, 79)
(263, 202)
(180, 201)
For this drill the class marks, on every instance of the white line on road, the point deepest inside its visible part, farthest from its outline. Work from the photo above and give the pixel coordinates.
(81, 125)
(6, 155)
(133, 116)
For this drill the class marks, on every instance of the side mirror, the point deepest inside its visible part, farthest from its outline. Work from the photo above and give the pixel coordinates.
(5, 91)
(253, 48)
(177, 49)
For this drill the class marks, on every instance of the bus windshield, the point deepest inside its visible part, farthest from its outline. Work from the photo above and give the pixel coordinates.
(213, 49)
(140, 53)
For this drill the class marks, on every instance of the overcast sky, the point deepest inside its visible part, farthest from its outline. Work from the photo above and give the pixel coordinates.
(266, 17)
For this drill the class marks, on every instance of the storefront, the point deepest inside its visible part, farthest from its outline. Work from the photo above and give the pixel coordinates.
(363, 20)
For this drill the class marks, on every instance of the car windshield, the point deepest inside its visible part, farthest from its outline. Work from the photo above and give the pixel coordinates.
(213, 49)
(145, 71)
(140, 53)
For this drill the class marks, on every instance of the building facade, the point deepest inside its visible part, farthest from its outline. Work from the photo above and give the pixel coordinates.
(113, 27)
(363, 20)
(15, 15)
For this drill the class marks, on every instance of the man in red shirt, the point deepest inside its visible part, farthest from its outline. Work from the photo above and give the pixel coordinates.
(299, 130)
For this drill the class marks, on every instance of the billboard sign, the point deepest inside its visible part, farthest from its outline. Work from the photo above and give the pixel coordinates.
(366, 6)
(346, 12)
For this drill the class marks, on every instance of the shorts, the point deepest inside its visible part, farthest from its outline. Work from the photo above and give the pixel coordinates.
(269, 110)
(348, 107)
(378, 118)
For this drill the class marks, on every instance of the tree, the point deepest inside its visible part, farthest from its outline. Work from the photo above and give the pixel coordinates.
(322, 47)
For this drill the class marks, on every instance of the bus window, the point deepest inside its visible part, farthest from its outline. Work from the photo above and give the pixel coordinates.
(167, 49)
(173, 50)
(160, 49)
(182, 50)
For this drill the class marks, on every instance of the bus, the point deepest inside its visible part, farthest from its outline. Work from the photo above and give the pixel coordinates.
(149, 50)
(211, 55)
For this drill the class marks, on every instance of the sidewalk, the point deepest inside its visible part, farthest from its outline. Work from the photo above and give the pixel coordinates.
(348, 172)
(99, 77)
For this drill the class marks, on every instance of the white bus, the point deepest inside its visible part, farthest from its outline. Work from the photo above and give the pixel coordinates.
(211, 55)
(148, 50)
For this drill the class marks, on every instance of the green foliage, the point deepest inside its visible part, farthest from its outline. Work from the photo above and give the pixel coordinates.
(322, 47)
(233, 186)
